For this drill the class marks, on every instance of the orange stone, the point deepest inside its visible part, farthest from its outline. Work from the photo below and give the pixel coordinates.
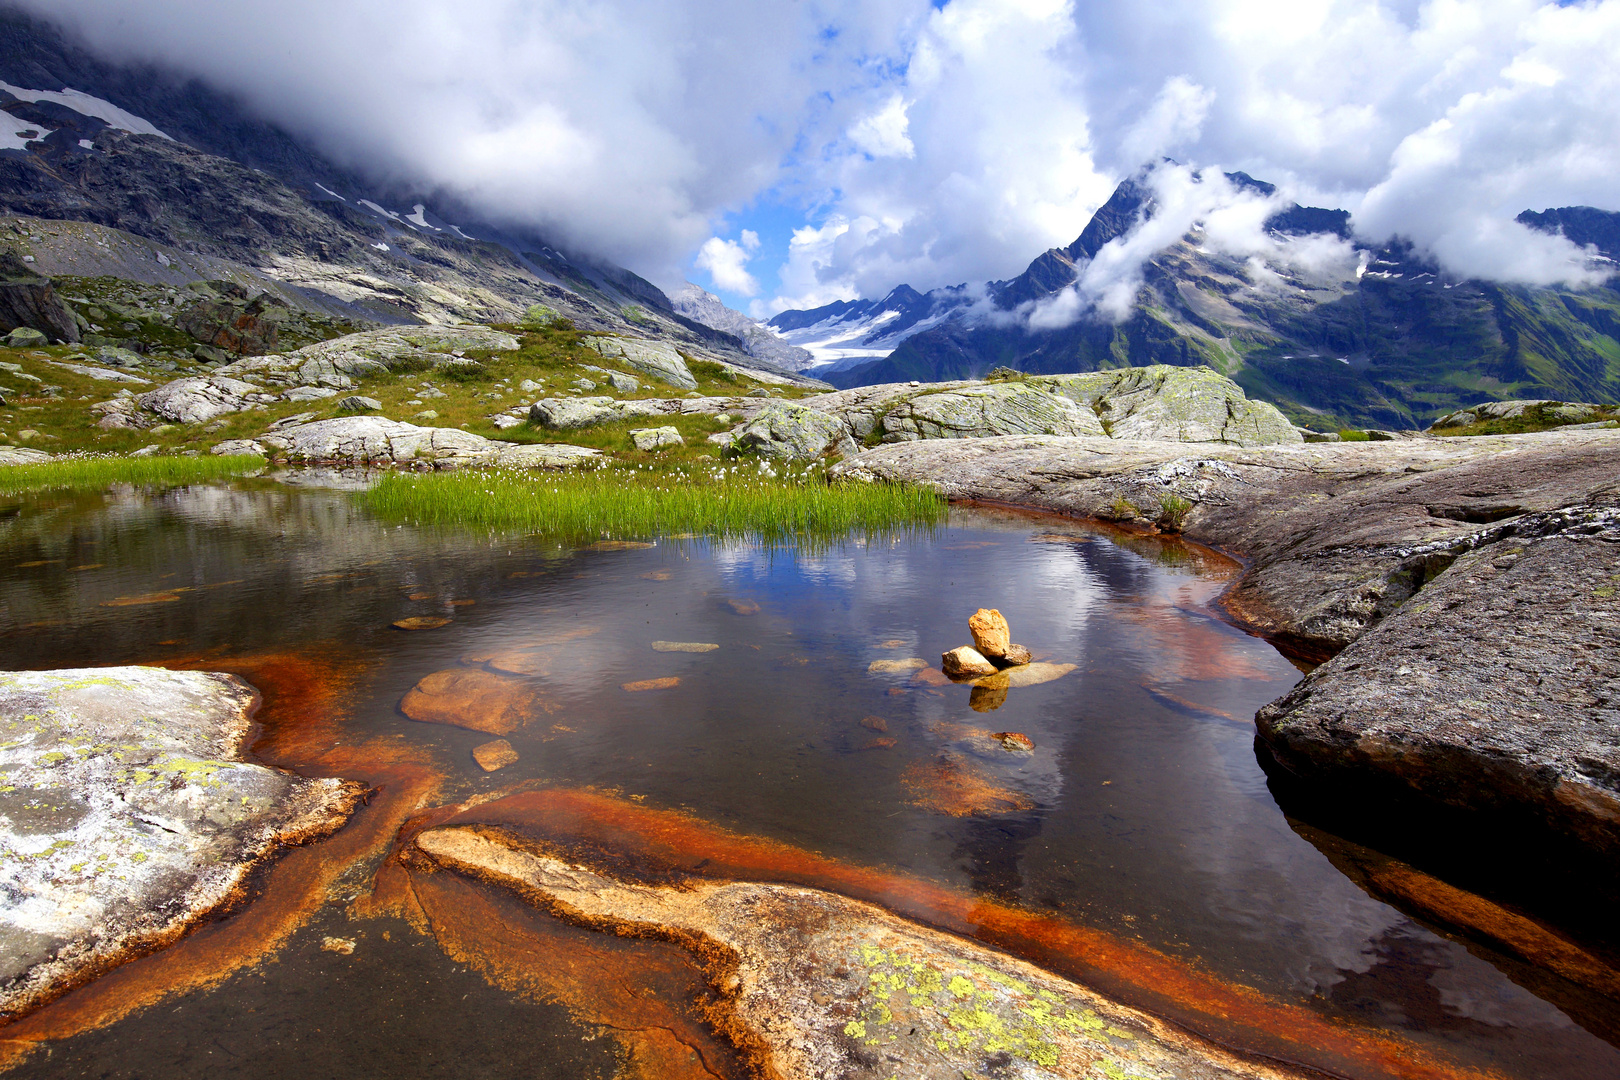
(495, 754)
(472, 699)
(991, 635)
(652, 684)
(421, 622)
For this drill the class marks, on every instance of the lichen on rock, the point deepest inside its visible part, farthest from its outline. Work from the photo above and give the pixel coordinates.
(126, 813)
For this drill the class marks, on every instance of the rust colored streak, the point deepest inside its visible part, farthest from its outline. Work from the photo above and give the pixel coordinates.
(638, 990)
(304, 702)
(651, 845)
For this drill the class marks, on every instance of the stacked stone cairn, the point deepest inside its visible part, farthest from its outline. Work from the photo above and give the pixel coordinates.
(991, 651)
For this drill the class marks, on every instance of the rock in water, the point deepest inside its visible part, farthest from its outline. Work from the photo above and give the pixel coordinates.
(1014, 740)
(991, 635)
(1016, 656)
(421, 622)
(471, 699)
(127, 814)
(964, 662)
(828, 986)
(493, 755)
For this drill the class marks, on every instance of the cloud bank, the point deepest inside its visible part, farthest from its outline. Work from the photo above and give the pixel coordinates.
(907, 143)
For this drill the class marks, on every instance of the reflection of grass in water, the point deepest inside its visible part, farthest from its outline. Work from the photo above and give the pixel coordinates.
(97, 472)
(774, 502)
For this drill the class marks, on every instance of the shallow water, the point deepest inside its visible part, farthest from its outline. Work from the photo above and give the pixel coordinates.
(1142, 811)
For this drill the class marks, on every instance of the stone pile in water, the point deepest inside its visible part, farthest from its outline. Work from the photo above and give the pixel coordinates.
(992, 648)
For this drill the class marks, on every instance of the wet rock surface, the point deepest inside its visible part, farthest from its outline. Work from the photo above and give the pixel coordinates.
(1475, 577)
(127, 814)
(814, 984)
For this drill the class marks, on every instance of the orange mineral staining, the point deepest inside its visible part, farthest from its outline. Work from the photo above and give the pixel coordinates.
(949, 785)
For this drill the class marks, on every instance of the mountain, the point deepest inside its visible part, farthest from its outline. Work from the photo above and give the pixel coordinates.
(187, 174)
(759, 340)
(1383, 338)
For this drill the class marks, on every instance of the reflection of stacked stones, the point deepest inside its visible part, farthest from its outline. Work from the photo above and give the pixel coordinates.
(992, 648)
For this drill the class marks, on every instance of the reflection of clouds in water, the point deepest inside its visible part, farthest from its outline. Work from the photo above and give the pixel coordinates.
(1471, 988)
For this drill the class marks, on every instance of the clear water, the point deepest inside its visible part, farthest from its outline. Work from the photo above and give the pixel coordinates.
(1142, 810)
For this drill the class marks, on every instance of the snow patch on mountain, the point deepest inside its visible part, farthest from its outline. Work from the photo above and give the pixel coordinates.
(86, 105)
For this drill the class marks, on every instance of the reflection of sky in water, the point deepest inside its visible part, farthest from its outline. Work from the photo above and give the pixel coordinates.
(1151, 815)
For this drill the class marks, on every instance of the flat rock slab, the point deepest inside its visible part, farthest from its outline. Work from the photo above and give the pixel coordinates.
(374, 440)
(336, 364)
(126, 814)
(1335, 534)
(1496, 687)
(827, 986)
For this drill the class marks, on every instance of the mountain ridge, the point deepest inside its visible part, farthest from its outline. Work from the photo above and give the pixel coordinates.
(1389, 342)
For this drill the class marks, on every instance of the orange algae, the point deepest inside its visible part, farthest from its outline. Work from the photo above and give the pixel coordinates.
(658, 846)
(641, 991)
(304, 701)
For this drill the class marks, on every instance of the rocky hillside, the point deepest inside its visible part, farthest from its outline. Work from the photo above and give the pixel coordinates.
(1386, 341)
(154, 178)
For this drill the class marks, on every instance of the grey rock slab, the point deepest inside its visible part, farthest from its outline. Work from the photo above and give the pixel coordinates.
(789, 431)
(501, 421)
(566, 414)
(656, 359)
(1496, 687)
(26, 337)
(988, 409)
(337, 363)
(102, 374)
(1329, 530)
(198, 399)
(21, 455)
(1181, 404)
(127, 814)
(649, 439)
(379, 441)
(310, 393)
(357, 403)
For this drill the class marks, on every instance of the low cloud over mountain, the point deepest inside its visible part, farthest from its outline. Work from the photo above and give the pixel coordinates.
(887, 141)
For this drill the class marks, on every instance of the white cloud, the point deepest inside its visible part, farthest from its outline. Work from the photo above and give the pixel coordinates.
(727, 262)
(883, 133)
(930, 146)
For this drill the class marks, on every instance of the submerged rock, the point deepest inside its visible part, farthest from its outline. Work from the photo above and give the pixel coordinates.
(127, 814)
(472, 699)
(821, 985)
(885, 667)
(494, 755)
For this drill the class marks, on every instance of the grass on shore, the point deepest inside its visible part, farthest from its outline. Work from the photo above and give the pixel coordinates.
(81, 473)
(776, 503)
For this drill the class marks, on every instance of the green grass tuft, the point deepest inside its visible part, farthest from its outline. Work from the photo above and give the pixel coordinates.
(96, 472)
(776, 503)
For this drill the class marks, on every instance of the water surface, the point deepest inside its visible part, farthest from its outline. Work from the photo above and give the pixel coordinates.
(1141, 811)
